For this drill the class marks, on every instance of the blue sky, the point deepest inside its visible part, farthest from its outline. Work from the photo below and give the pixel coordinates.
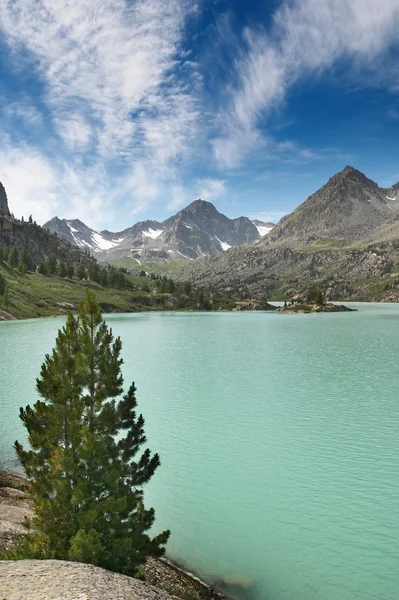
(116, 111)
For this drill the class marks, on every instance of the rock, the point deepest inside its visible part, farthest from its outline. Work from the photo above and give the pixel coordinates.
(253, 305)
(6, 316)
(329, 307)
(3, 200)
(62, 580)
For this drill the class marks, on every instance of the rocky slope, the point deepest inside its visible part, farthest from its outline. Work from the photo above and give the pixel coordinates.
(62, 580)
(3, 200)
(349, 206)
(197, 230)
(345, 236)
(53, 580)
(39, 242)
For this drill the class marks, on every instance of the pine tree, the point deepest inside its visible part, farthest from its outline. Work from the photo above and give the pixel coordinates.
(51, 264)
(2, 284)
(70, 271)
(85, 482)
(13, 257)
(80, 272)
(62, 269)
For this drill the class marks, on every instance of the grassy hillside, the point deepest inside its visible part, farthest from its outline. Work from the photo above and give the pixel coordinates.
(35, 295)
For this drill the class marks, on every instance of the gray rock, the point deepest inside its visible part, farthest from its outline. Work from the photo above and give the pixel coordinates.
(197, 230)
(62, 580)
(3, 200)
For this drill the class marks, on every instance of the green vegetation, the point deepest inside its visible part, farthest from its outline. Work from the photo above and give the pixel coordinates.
(86, 467)
(151, 266)
(54, 287)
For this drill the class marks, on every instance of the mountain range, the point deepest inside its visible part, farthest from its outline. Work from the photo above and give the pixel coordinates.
(196, 231)
(345, 237)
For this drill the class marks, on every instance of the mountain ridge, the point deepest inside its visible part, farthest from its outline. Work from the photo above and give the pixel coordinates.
(345, 237)
(197, 230)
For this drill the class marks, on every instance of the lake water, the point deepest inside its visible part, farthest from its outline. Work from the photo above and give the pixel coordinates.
(279, 441)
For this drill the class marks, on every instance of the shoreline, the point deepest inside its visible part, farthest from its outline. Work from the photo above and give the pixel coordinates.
(6, 317)
(164, 573)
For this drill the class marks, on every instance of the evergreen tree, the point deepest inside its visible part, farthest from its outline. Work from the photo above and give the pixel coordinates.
(21, 266)
(26, 259)
(94, 272)
(42, 268)
(85, 482)
(80, 272)
(62, 269)
(51, 264)
(104, 278)
(70, 271)
(2, 284)
(13, 257)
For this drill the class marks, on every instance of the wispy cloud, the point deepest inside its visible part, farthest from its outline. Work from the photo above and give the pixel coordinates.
(122, 111)
(112, 87)
(306, 36)
(210, 189)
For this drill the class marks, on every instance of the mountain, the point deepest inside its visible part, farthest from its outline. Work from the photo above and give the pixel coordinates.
(39, 242)
(3, 200)
(348, 206)
(262, 227)
(345, 237)
(196, 231)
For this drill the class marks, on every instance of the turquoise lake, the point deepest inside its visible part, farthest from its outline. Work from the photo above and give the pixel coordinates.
(278, 436)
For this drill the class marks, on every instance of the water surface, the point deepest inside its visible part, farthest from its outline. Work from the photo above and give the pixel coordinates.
(278, 437)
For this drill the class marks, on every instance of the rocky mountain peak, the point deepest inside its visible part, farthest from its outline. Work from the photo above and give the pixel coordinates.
(351, 176)
(3, 200)
(199, 207)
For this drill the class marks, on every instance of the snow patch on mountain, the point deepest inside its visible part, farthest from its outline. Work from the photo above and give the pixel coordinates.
(153, 233)
(224, 245)
(103, 244)
(263, 230)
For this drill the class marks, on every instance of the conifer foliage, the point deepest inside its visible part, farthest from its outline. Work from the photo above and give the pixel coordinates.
(86, 464)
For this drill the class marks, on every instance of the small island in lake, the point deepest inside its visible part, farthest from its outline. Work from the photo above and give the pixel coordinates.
(313, 302)
(307, 307)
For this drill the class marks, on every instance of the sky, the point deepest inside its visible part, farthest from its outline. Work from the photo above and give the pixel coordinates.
(116, 111)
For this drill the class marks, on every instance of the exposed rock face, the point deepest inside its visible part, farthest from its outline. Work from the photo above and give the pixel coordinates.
(53, 580)
(62, 580)
(38, 241)
(197, 230)
(349, 206)
(346, 232)
(3, 200)
(329, 307)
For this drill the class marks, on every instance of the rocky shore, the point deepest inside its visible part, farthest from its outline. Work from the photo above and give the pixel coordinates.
(328, 307)
(62, 580)
(6, 316)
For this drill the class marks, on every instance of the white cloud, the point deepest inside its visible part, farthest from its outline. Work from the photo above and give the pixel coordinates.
(112, 89)
(75, 131)
(209, 189)
(24, 111)
(307, 36)
(30, 183)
